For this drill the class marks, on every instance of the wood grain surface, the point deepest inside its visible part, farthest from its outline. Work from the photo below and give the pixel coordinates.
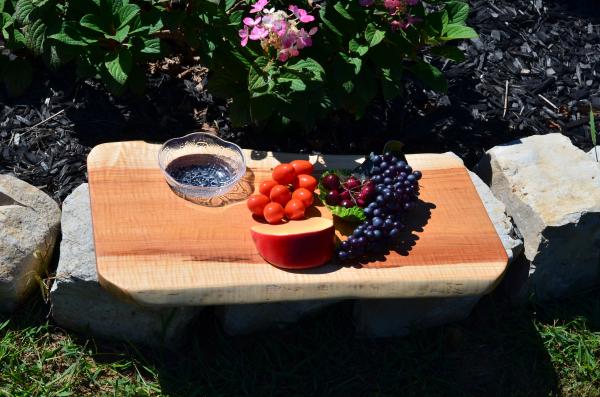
(156, 248)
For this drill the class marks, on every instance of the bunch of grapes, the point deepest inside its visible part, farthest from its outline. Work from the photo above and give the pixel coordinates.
(391, 189)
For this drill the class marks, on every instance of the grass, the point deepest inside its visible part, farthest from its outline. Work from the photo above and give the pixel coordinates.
(499, 351)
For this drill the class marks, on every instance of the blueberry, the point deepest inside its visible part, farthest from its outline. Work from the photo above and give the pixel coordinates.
(377, 234)
(394, 232)
(377, 221)
(417, 174)
(343, 255)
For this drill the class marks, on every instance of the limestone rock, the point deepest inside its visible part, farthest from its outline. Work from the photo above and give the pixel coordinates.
(551, 189)
(80, 303)
(29, 225)
(594, 153)
(379, 318)
(245, 319)
(497, 212)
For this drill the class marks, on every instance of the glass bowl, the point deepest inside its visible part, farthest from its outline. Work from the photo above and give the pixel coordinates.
(201, 166)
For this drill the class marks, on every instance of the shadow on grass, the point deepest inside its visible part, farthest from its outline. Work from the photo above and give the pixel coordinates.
(497, 351)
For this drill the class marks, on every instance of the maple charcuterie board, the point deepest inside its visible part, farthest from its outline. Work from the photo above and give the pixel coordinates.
(156, 248)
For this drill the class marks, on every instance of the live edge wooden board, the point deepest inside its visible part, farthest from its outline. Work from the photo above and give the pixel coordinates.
(156, 248)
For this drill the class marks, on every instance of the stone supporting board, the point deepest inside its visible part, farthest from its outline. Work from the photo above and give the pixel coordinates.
(80, 303)
(29, 225)
(551, 189)
(245, 319)
(379, 318)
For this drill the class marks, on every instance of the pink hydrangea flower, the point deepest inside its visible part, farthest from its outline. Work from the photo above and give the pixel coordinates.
(258, 32)
(278, 30)
(258, 6)
(304, 39)
(244, 36)
(391, 4)
(251, 22)
(301, 14)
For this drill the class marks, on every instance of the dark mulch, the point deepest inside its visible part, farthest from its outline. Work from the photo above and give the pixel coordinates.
(547, 51)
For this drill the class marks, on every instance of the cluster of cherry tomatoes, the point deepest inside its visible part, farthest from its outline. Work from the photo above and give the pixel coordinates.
(287, 195)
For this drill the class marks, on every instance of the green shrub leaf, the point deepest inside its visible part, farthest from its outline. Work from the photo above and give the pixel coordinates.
(151, 46)
(358, 48)
(127, 13)
(430, 75)
(69, 35)
(458, 12)
(373, 35)
(342, 11)
(119, 65)
(454, 32)
(121, 34)
(96, 23)
(35, 34)
(449, 52)
(23, 9)
(311, 66)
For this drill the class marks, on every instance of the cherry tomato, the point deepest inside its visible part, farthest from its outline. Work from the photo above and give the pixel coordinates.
(306, 181)
(304, 195)
(280, 194)
(266, 186)
(256, 203)
(302, 167)
(284, 174)
(274, 213)
(294, 209)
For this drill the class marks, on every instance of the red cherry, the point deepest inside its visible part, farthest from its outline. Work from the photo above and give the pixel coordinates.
(333, 197)
(331, 182)
(352, 183)
(347, 204)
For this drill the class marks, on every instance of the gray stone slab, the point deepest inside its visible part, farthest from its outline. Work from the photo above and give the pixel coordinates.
(245, 319)
(378, 318)
(29, 226)
(80, 303)
(551, 189)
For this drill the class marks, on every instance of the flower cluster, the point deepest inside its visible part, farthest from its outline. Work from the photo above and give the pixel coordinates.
(278, 29)
(398, 10)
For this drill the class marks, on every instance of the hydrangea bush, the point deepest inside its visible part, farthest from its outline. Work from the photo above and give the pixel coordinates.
(278, 61)
(297, 63)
